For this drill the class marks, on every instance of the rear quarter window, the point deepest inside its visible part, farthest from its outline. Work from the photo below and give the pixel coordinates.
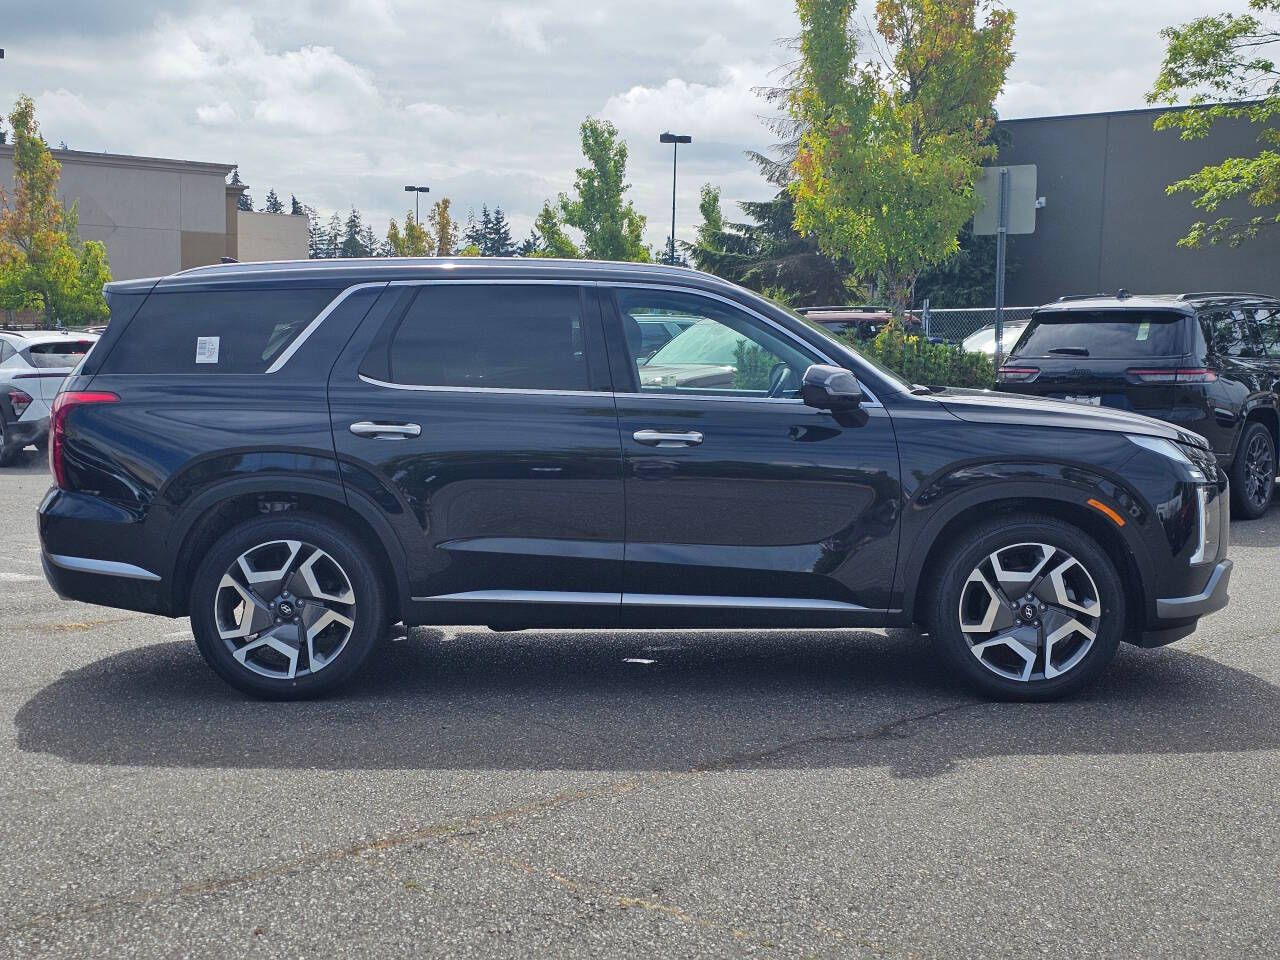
(58, 354)
(210, 332)
(1104, 334)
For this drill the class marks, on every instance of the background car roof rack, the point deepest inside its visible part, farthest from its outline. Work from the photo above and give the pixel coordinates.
(1221, 294)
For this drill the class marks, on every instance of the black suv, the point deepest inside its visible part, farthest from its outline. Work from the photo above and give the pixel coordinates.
(1207, 361)
(300, 455)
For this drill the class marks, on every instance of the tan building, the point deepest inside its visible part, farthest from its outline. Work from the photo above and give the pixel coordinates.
(158, 216)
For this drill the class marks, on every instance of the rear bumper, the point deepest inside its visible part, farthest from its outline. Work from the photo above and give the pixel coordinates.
(103, 583)
(1176, 617)
(24, 432)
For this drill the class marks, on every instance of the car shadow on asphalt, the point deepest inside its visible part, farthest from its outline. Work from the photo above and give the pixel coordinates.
(580, 700)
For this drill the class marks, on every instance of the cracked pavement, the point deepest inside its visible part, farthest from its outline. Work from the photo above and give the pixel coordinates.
(773, 794)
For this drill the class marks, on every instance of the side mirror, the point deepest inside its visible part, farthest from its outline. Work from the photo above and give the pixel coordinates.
(830, 388)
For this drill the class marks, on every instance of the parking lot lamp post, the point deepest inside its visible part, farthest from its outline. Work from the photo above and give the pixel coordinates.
(675, 140)
(416, 191)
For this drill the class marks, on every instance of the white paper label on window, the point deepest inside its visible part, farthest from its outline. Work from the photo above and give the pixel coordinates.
(207, 349)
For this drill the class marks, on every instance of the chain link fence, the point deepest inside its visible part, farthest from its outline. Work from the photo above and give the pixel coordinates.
(955, 324)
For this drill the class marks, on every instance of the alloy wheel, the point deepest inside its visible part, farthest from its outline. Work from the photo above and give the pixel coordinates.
(1260, 470)
(1030, 611)
(285, 609)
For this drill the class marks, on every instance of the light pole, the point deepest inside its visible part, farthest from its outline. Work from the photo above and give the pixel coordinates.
(675, 140)
(417, 218)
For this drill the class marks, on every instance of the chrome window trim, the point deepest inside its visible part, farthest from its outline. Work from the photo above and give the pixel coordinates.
(515, 281)
(110, 568)
(522, 596)
(536, 391)
(319, 318)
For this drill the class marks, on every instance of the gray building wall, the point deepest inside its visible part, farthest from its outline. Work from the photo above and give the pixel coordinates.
(1108, 222)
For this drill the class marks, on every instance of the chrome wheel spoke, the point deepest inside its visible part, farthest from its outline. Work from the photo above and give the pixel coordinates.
(285, 609)
(1030, 611)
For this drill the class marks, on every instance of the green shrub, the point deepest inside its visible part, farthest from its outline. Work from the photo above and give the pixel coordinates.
(934, 364)
(752, 366)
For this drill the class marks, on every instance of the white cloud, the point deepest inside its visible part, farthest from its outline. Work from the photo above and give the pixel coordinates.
(523, 25)
(216, 114)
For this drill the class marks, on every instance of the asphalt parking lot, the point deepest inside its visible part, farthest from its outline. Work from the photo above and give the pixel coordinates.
(536, 795)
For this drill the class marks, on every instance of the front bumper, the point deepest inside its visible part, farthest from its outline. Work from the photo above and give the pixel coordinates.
(1176, 617)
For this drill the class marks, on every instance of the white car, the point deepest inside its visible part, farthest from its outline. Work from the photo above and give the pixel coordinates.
(984, 340)
(32, 367)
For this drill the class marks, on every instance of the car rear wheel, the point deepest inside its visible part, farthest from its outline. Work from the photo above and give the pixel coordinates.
(286, 607)
(1253, 473)
(1026, 608)
(10, 453)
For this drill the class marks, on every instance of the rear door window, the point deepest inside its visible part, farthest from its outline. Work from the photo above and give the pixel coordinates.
(1231, 333)
(1103, 335)
(504, 336)
(1268, 320)
(221, 331)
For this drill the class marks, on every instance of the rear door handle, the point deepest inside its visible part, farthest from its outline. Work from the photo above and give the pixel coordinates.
(662, 438)
(385, 431)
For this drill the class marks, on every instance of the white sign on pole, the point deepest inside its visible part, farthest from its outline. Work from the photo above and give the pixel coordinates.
(1021, 200)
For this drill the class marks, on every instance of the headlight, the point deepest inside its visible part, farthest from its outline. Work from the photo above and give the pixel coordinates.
(1169, 450)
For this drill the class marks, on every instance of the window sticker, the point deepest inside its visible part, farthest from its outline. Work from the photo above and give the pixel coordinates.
(207, 349)
(1144, 330)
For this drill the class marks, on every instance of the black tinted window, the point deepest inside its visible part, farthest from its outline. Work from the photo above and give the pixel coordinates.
(1268, 320)
(1230, 333)
(58, 353)
(470, 335)
(225, 331)
(1104, 334)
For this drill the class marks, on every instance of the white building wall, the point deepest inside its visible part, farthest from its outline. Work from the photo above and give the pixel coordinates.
(270, 236)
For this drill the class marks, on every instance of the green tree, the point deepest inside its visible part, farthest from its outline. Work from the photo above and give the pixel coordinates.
(245, 202)
(500, 243)
(353, 236)
(892, 143)
(295, 208)
(1226, 63)
(415, 241)
(273, 203)
(548, 239)
(611, 227)
(767, 254)
(43, 263)
(333, 237)
(443, 227)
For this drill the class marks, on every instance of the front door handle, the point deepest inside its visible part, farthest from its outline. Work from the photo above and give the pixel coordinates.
(385, 431)
(662, 438)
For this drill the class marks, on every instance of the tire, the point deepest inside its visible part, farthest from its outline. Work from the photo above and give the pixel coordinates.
(287, 607)
(1253, 472)
(984, 628)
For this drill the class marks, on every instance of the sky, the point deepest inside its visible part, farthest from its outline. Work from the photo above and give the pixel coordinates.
(343, 102)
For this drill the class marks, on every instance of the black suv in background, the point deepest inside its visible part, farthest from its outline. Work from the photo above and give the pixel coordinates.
(1207, 361)
(297, 455)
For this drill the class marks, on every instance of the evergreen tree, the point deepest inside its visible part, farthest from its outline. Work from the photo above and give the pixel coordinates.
(370, 243)
(353, 240)
(499, 239)
(245, 202)
(333, 237)
(478, 231)
(273, 203)
(315, 234)
(295, 208)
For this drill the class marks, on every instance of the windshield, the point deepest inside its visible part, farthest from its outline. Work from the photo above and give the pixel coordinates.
(706, 342)
(1102, 334)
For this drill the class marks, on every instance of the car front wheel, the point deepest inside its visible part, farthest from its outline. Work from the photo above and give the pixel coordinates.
(286, 607)
(1026, 608)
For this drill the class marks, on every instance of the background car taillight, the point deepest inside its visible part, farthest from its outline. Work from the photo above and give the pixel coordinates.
(63, 404)
(1018, 374)
(19, 400)
(1171, 375)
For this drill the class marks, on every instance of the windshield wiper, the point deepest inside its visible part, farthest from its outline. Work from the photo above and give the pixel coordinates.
(1073, 351)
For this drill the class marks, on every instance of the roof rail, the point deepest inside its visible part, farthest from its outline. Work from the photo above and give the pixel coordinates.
(845, 306)
(1080, 296)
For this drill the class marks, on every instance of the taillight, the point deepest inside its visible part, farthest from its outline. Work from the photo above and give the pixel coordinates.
(63, 404)
(1018, 374)
(19, 400)
(1171, 375)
